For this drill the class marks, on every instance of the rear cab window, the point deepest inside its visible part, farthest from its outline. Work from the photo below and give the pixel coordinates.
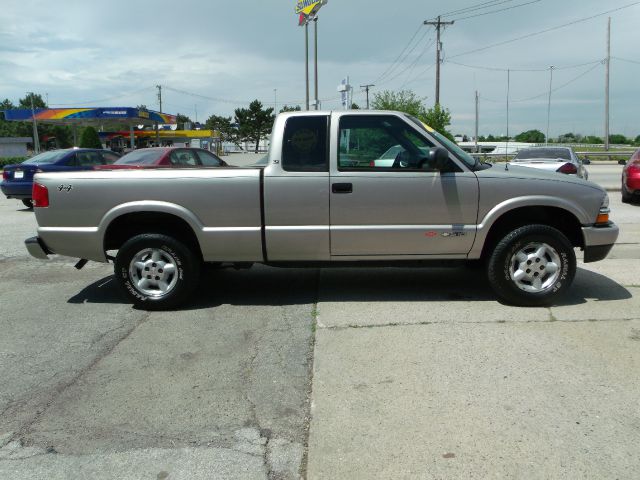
(305, 144)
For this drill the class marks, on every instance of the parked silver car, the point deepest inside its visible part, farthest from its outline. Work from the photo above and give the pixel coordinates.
(553, 159)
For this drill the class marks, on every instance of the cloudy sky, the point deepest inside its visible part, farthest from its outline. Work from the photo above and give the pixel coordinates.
(213, 56)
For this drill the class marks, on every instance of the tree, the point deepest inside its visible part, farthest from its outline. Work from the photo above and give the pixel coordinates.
(90, 138)
(439, 119)
(254, 122)
(618, 139)
(38, 102)
(355, 106)
(181, 120)
(407, 101)
(531, 136)
(637, 141)
(402, 101)
(287, 108)
(224, 126)
(593, 140)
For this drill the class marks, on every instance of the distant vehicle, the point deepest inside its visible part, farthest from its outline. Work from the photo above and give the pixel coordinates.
(631, 179)
(553, 159)
(166, 157)
(17, 179)
(393, 155)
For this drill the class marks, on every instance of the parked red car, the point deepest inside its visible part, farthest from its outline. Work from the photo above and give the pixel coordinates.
(631, 179)
(166, 157)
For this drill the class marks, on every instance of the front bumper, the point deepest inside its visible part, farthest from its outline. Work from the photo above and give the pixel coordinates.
(37, 248)
(598, 241)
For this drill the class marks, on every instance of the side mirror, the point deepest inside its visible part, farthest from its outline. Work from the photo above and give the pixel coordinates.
(586, 161)
(439, 157)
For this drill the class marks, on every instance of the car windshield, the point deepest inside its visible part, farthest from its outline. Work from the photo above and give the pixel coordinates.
(460, 154)
(553, 153)
(140, 157)
(46, 157)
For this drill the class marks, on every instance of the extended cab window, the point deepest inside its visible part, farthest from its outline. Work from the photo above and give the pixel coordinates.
(380, 142)
(304, 147)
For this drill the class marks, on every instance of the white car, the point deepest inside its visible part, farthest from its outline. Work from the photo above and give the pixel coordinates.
(388, 158)
(554, 159)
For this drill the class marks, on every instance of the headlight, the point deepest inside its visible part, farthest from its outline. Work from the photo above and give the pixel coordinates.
(605, 201)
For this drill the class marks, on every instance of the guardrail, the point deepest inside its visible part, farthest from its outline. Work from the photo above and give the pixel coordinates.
(620, 156)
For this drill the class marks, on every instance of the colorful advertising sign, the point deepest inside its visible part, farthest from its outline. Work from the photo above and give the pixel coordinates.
(307, 9)
(87, 114)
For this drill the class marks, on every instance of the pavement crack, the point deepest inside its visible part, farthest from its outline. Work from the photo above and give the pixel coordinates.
(60, 388)
(552, 319)
(310, 363)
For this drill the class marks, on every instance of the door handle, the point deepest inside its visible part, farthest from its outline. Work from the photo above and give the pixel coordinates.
(342, 187)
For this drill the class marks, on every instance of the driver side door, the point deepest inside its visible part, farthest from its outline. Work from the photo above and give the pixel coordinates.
(388, 200)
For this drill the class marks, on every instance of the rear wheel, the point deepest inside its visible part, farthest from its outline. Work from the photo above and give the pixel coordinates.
(532, 266)
(156, 271)
(626, 196)
(27, 202)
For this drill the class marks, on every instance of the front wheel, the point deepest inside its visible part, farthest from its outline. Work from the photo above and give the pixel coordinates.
(156, 271)
(532, 266)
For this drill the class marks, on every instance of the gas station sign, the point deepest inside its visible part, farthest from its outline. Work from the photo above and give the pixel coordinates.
(307, 9)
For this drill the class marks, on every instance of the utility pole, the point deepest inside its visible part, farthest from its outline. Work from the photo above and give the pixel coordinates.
(506, 148)
(606, 94)
(367, 88)
(159, 87)
(315, 61)
(36, 139)
(275, 101)
(438, 24)
(306, 62)
(477, 121)
(546, 139)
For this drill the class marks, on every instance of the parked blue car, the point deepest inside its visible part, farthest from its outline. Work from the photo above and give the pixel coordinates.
(17, 179)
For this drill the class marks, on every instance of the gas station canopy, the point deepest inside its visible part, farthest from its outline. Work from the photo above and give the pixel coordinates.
(90, 116)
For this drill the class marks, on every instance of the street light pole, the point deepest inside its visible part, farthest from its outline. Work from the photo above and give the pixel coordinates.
(306, 62)
(546, 140)
(36, 139)
(315, 61)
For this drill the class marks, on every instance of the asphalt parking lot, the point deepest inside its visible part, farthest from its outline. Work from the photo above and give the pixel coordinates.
(272, 373)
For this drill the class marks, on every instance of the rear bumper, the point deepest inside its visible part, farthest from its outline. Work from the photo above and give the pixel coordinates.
(17, 190)
(598, 241)
(37, 248)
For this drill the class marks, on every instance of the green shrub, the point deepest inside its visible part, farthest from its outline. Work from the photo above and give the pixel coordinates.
(11, 160)
(90, 138)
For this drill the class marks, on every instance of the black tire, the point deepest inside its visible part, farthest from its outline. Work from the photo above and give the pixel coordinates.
(27, 202)
(526, 241)
(626, 196)
(180, 277)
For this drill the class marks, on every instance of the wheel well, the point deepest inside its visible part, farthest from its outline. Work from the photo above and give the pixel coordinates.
(554, 217)
(130, 224)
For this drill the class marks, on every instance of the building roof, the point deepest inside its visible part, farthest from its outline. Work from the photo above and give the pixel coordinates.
(89, 116)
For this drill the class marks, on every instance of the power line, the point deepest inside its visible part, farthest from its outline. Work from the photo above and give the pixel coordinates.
(473, 8)
(390, 67)
(497, 11)
(504, 69)
(411, 66)
(88, 102)
(557, 27)
(627, 60)
(401, 58)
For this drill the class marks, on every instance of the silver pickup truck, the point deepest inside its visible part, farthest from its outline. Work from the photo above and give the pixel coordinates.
(329, 196)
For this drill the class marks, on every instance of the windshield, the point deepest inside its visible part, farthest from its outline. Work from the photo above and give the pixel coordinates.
(46, 157)
(140, 157)
(553, 153)
(460, 154)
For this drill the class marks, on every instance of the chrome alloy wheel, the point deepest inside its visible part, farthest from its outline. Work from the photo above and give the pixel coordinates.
(153, 272)
(535, 267)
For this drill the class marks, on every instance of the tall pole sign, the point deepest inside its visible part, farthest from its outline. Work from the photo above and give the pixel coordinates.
(307, 11)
